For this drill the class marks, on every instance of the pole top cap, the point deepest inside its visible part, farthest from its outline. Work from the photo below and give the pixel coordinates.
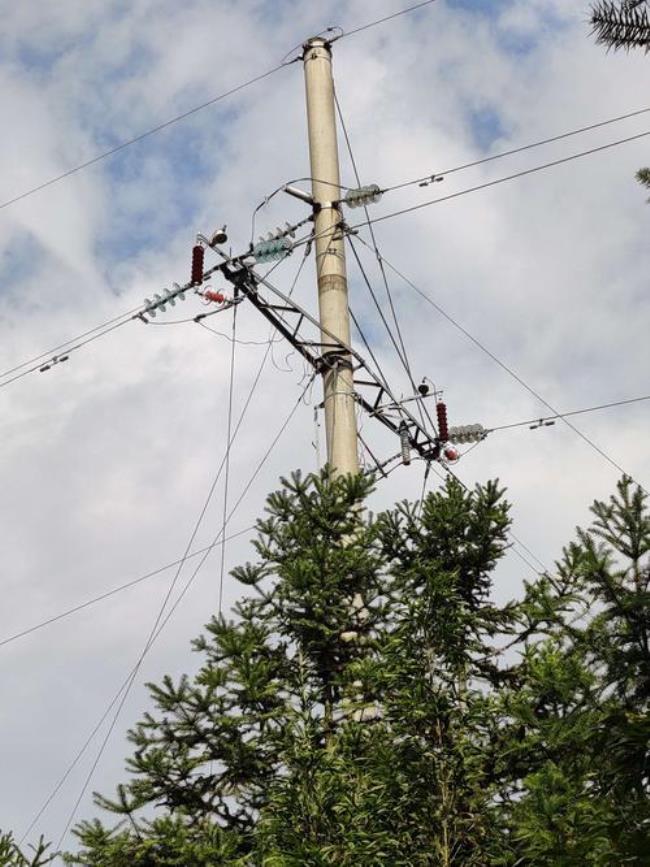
(315, 43)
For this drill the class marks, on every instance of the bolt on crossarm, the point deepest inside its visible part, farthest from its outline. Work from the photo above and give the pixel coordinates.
(338, 386)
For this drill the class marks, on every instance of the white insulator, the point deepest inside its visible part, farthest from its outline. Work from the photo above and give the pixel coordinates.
(405, 444)
(468, 433)
(361, 196)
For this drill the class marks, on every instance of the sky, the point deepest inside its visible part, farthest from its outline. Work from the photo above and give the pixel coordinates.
(106, 460)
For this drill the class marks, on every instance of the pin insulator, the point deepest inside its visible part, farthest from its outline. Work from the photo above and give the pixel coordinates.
(217, 297)
(443, 428)
(467, 433)
(361, 196)
(272, 250)
(198, 254)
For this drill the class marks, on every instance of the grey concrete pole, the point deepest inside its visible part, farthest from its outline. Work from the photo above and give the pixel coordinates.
(339, 404)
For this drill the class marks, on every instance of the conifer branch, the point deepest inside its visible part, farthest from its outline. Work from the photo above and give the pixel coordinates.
(621, 25)
(643, 177)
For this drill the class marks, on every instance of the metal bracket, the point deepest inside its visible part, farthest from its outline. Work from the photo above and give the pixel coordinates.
(324, 351)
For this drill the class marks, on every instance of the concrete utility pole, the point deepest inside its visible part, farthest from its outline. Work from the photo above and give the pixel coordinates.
(338, 387)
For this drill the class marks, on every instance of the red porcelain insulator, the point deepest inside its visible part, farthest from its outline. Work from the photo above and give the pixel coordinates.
(443, 427)
(198, 254)
(217, 297)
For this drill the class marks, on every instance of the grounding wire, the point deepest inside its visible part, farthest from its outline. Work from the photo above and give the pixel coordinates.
(509, 370)
(231, 384)
(228, 337)
(427, 470)
(113, 592)
(517, 150)
(502, 180)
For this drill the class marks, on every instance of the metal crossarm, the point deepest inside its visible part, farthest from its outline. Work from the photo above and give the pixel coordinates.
(323, 351)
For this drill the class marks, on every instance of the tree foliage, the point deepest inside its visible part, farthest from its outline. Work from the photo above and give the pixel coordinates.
(624, 24)
(643, 177)
(12, 856)
(371, 704)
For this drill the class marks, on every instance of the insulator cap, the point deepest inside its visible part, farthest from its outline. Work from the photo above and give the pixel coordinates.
(443, 428)
(198, 254)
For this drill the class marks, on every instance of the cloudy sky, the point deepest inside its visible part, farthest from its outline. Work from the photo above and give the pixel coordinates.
(107, 459)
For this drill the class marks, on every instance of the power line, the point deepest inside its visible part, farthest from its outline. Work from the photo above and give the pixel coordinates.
(494, 183)
(141, 136)
(517, 150)
(47, 359)
(509, 370)
(192, 111)
(54, 349)
(83, 605)
(159, 627)
(120, 696)
(401, 349)
(383, 20)
(509, 533)
(148, 643)
(50, 352)
(563, 415)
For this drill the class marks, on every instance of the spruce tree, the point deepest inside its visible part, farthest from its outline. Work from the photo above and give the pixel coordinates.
(582, 702)
(344, 716)
(12, 856)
